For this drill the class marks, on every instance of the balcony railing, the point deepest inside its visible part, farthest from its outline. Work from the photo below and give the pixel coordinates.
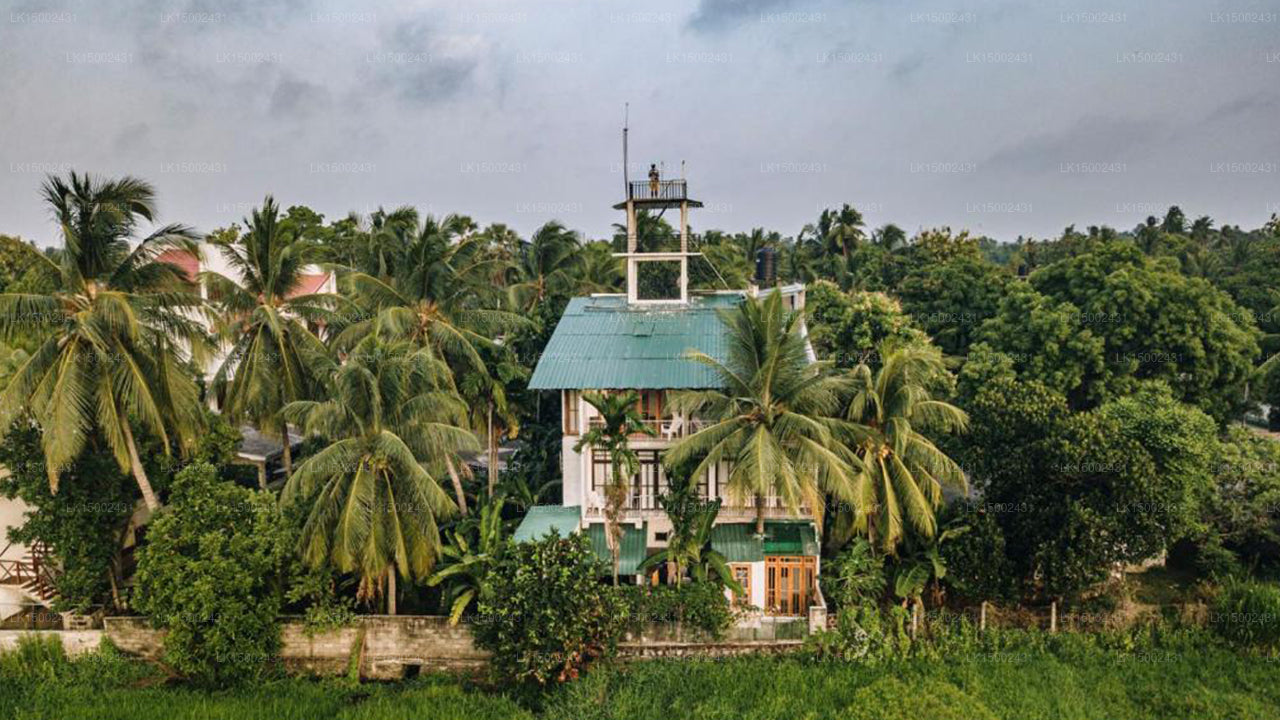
(675, 190)
(640, 498)
(663, 428)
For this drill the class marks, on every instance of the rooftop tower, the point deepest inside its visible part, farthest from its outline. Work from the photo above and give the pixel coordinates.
(657, 271)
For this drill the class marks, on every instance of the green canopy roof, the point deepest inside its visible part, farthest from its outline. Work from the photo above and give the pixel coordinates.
(542, 519)
(738, 542)
(633, 547)
(602, 343)
(790, 538)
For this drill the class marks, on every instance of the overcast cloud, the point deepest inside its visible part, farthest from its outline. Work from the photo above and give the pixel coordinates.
(1003, 117)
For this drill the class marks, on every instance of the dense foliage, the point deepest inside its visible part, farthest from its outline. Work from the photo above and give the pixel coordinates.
(701, 607)
(211, 574)
(1114, 485)
(545, 615)
(82, 526)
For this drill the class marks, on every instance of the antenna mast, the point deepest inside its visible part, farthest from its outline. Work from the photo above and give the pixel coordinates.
(626, 120)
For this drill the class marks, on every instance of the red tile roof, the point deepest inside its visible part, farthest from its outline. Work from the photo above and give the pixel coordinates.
(308, 284)
(187, 263)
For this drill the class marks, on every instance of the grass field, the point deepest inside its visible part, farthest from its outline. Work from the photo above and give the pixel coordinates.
(1073, 683)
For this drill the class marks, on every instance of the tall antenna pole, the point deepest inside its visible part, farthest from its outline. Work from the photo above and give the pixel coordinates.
(626, 176)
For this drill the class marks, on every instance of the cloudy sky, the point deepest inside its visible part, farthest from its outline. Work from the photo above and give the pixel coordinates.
(1003, 117)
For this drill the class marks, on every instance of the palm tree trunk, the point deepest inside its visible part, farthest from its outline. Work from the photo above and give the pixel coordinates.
(493, 454)
(460, 496)
(760, 515)
(139, 473)
(287, 453)
(613, 505)
(391, 589)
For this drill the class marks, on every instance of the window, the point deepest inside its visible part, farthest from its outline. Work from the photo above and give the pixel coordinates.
(742, 575)
(788, 584)
(645, 486)
(571, 412)
(651, 405)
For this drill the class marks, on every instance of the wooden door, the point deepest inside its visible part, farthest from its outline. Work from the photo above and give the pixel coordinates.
(789, 584)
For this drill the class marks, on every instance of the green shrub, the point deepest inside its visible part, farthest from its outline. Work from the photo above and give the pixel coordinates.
(210, 573)
(854, 577)
(863, 633)
(1247, 613)
(701, 606)
(545, 615)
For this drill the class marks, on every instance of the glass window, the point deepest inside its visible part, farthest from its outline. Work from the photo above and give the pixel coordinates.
(571, 412)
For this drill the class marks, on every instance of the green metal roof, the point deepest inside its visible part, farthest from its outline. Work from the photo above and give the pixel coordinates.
(738, 542)
(601, 343)
(542, 519)
(790, 538)
(633, 547)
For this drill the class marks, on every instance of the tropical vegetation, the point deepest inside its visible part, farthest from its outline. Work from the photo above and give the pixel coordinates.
(1100, 400)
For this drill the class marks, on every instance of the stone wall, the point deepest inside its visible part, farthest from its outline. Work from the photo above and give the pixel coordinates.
(384, 646)
(389, 647)
(75, 642)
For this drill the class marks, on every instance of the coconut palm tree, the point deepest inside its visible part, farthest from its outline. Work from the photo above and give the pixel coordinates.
(430, 297)
(619, 420)
(891, 412)
(772, 418)
(114, 336)
(890, 237)
(433, 298)
(274, 357)
(844, 231)
(600, 271)
(392, 419)
(383, 237)
(548, 264)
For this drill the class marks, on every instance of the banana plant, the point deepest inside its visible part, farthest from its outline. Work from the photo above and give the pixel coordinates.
(690, 546)
(468, 555)
(923, 566)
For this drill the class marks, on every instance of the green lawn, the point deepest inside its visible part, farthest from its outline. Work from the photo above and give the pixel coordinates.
(1076, 683)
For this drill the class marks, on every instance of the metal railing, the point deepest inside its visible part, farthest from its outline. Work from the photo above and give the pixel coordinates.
(663, 428)
(657, 190)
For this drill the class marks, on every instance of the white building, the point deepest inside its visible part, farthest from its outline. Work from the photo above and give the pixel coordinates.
(637, 341)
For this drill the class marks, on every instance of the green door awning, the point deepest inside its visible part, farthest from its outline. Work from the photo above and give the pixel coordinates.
(541, 520)
(739, 544)
(790, 538)
(634, 540)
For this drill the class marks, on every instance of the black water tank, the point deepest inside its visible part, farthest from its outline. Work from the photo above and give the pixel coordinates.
(766, 267)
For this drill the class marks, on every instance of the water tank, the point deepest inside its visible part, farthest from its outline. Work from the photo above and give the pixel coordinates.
(766, 267)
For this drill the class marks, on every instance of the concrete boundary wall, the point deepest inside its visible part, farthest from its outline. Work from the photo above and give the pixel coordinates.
(386, 647)
(75, 642)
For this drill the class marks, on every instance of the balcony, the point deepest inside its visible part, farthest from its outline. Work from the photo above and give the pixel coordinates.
(662, 193)
(672, 428)
(650, 483)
